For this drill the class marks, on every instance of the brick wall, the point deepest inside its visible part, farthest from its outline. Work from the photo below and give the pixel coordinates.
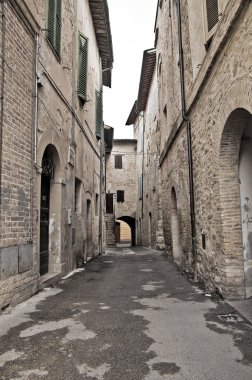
(17, 256)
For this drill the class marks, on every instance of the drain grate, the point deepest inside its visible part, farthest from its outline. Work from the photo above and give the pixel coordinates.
(230, 317)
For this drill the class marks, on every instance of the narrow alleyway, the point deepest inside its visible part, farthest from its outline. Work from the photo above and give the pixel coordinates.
(129, 315)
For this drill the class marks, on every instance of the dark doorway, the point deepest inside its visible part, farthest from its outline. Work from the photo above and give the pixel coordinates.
(44, 224)
(46, 176)
(109, 203)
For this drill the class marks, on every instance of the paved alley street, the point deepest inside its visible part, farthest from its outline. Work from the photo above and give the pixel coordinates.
(130, 315)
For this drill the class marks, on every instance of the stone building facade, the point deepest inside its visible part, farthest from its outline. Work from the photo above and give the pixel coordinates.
(144, 117)
(205, 86)
(56, 58)
(121, 189)
(202, 129)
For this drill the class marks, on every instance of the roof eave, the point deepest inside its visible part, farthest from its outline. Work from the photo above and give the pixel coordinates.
(100, 15)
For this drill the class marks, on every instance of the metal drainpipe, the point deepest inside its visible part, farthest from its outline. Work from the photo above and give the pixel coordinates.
(143, 172)
(101, 191)
(2, 94)
(189, 141)
(34, 132)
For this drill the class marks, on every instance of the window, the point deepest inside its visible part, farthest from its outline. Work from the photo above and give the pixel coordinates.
(118, 161)
(77, 199)
(211, 14)
(83, 60)
(54, 25)
(140, 187)
(120, 195)
(109, 203)
(99, 114)
(96, 204)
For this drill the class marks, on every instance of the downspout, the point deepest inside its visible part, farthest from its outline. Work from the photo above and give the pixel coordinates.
(189, 142)
(34, 134)
(2, 93)
(36, 99)
(143, 171)
(101, 191)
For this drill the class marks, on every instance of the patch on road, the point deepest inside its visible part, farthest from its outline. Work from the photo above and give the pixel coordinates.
(166, 368)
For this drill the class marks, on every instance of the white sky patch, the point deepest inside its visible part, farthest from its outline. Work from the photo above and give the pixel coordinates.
(76, 330)
(9, 356)
(20, 313)
(97, 373)
(128, 45)
(72, 273)
(26, 375)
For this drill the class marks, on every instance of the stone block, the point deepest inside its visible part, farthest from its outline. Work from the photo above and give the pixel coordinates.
(25, 258)
(8, 262)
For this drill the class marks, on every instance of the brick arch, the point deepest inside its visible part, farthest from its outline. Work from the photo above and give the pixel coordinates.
(49, 142)
(230, 208)
(51, 138)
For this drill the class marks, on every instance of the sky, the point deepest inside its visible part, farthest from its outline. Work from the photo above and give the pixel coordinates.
(132, 26)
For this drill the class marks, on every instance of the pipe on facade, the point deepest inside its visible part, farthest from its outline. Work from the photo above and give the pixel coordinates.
(102, 154)
(34, 133)
(189, 141)
(2, 92)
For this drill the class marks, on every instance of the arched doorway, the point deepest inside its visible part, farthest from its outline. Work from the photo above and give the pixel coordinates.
(132, 225)
(50, 213)
(236, 200)
(176, 238)
(46, 176)
(122, 232)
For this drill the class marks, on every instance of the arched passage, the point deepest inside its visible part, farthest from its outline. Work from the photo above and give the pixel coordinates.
(50, 212)
(132, 224)
(235, 166)
(176, 238)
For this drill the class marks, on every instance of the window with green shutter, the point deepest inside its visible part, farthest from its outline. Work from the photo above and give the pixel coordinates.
(211, 15)
(99, 114)
(54, 25)
(83, 60)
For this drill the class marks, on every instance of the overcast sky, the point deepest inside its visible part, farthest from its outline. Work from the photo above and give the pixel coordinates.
(132, 27)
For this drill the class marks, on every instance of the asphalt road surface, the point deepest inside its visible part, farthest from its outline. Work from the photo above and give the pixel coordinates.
(129, 315)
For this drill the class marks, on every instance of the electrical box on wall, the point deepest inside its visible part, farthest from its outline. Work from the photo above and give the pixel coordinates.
(69, 216)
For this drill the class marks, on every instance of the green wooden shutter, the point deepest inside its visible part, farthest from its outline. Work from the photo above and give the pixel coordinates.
(58, 27)
(50, 22)
(83, 60)
(54, 25)
(212, 13)
(99, 113)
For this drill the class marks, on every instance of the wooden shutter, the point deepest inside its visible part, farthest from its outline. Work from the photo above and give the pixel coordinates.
(51, 21)
(54, 25)
(109, 203)
(120, 195)
(83, 60)
(99, 114)
(58, 27)
(118, 161)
